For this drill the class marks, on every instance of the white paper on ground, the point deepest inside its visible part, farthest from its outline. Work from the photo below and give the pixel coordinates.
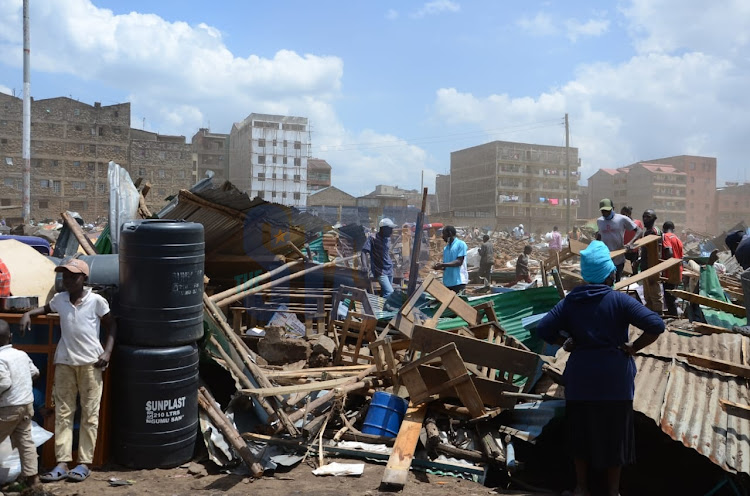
(372, 448)
(335, 468)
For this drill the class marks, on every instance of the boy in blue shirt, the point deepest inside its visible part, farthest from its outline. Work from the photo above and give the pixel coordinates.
(455, 272)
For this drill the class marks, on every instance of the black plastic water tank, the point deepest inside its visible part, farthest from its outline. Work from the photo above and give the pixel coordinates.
(155, 400)
(161, 282)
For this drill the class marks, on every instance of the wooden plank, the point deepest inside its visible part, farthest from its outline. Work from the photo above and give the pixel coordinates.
(344, 369)
(656, 269)
(476, 351)
(735, 409)
(397, 469)
(710, 302)
(297, 388)
(646, 240)
(710, 329)
(489, 391)
(715, 364)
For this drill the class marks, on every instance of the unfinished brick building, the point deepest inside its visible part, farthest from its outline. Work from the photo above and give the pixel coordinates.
(211, 152)
(162, 160)
(71, 144)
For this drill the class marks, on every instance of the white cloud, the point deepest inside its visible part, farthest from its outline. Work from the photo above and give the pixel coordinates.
(5, 89)
(437, 7)
(592, 27)
(541, 24)
(391, 14)
(180, 77)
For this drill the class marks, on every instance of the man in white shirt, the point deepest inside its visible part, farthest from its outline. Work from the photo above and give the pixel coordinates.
(17, 372)
(80, 360)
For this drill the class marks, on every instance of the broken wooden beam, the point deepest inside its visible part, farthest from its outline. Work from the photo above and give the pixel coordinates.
(86, 244)
(253, 282)
(735, 409)
(655, 270)
(715, 364)
(735, 310)
(396, 471)
(296, 388)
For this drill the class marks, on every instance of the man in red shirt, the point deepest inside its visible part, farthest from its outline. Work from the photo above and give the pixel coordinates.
(4, 279)
(671, 248)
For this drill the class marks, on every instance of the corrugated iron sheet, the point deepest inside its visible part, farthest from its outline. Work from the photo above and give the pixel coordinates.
(684, 400)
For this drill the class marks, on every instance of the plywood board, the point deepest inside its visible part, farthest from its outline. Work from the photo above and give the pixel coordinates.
(397, 470)
(31, 273)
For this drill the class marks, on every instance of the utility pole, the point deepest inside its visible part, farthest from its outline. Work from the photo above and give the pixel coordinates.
(26, 147)
(567, 166)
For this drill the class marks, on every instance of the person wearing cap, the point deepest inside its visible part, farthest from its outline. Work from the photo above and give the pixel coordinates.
(612, 228)
(739, 245)
(80, 360)
(378, 248)
(592, 322)
(455, 272)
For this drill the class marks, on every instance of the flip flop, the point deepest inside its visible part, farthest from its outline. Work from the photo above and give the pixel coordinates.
(54, 475)
(79, 474)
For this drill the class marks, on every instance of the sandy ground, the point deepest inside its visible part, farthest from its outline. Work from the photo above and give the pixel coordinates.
(298, 481)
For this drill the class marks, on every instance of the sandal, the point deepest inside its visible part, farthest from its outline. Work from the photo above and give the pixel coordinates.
(54, 475)
(79, 474)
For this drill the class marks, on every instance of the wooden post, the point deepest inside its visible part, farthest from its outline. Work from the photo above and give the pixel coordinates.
(414, 265)
(83, 240)
(252, 282)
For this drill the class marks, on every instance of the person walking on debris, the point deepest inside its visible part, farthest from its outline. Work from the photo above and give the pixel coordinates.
(739, 244)
(612, 228)
(17, 372)
(555, 243)
(592, 322)
(378, 248)
(652, 285)
(671, 248)
(486, 259)
(522, 267)
(80, 361)
(631, 255)
(518, 231)
(455, 273)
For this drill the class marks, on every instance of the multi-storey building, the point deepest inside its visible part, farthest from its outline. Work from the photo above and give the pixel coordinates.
(700, 194)
(210, 153)
(318, 175)
(602, 185)
(162, 160)
(268, 157)
(71, 145)
(515, 183)
(443, 192)
(732, 205)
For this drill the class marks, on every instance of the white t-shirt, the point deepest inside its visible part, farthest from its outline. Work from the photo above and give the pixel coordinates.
(79, 341)
(612, 232)
(16, 371)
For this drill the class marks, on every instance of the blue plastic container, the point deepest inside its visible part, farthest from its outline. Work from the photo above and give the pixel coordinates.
(384, 415)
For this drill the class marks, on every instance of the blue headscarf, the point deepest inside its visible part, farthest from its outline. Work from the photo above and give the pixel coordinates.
(596, 263)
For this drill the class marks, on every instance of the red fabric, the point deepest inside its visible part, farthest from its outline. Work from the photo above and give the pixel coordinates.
(670, 240)
(629, 235)
(4, 280)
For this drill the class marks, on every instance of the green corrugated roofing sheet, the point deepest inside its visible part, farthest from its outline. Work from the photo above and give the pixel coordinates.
(513, 306)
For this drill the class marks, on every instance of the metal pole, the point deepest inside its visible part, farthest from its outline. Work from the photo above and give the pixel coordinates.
(567, 165)
(26, 151)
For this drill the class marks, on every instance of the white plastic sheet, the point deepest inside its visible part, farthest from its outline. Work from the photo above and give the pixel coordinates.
(336, 469)
(10, 462)
(123, 201)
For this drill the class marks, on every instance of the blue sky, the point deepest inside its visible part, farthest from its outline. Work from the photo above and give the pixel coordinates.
(391, 88)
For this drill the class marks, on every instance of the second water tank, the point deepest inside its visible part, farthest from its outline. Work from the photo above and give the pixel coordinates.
(161, 282)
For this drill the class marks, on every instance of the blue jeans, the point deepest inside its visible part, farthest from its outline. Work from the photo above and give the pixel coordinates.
(386, 285)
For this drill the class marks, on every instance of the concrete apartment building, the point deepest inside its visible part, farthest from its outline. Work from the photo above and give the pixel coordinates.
(162, 160)
(268, 157)
(700, 196)
(71, 145)
(514, 183)
(732, 205)
(642, 186)
(210, 153)
(443, 192)
(318, 175)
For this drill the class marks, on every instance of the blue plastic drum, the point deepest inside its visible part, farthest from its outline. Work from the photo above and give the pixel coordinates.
(385, 415)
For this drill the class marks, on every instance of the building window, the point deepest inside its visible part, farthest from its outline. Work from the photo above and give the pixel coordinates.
(162, 155)
(92, 166)
(116, 129)
(79, 128)
(5, 202)
(261, 176)
(283, 194)
(8, 160)
(44, 183)
(262, 142)
(77, 163)
(284, 161)
(143, 152)
(55, 163)
(117, 113)
(273, 176)
(56, 186)
(285, 176)
(93, 131)
(142, 171)
(261, 194)
(262, 159)
(162, 174)
(274, 142)
(77, 205)
(297, 145)
(4, 141)
(43, 204)
(36, 162)
(273, 159)
(77, 112)
(297, 162)
(297, 196)
(285, 144)
(297, 178)
(101, 130)
(101, 188)
(273, 194)
(92, 149)
(79, 185)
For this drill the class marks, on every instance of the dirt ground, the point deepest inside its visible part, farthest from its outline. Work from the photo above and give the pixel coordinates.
(298, 481)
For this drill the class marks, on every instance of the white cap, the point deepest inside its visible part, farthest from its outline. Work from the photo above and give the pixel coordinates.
(520, 225)
(386, 222)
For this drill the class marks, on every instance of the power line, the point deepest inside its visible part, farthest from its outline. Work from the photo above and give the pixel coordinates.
(440, 138)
